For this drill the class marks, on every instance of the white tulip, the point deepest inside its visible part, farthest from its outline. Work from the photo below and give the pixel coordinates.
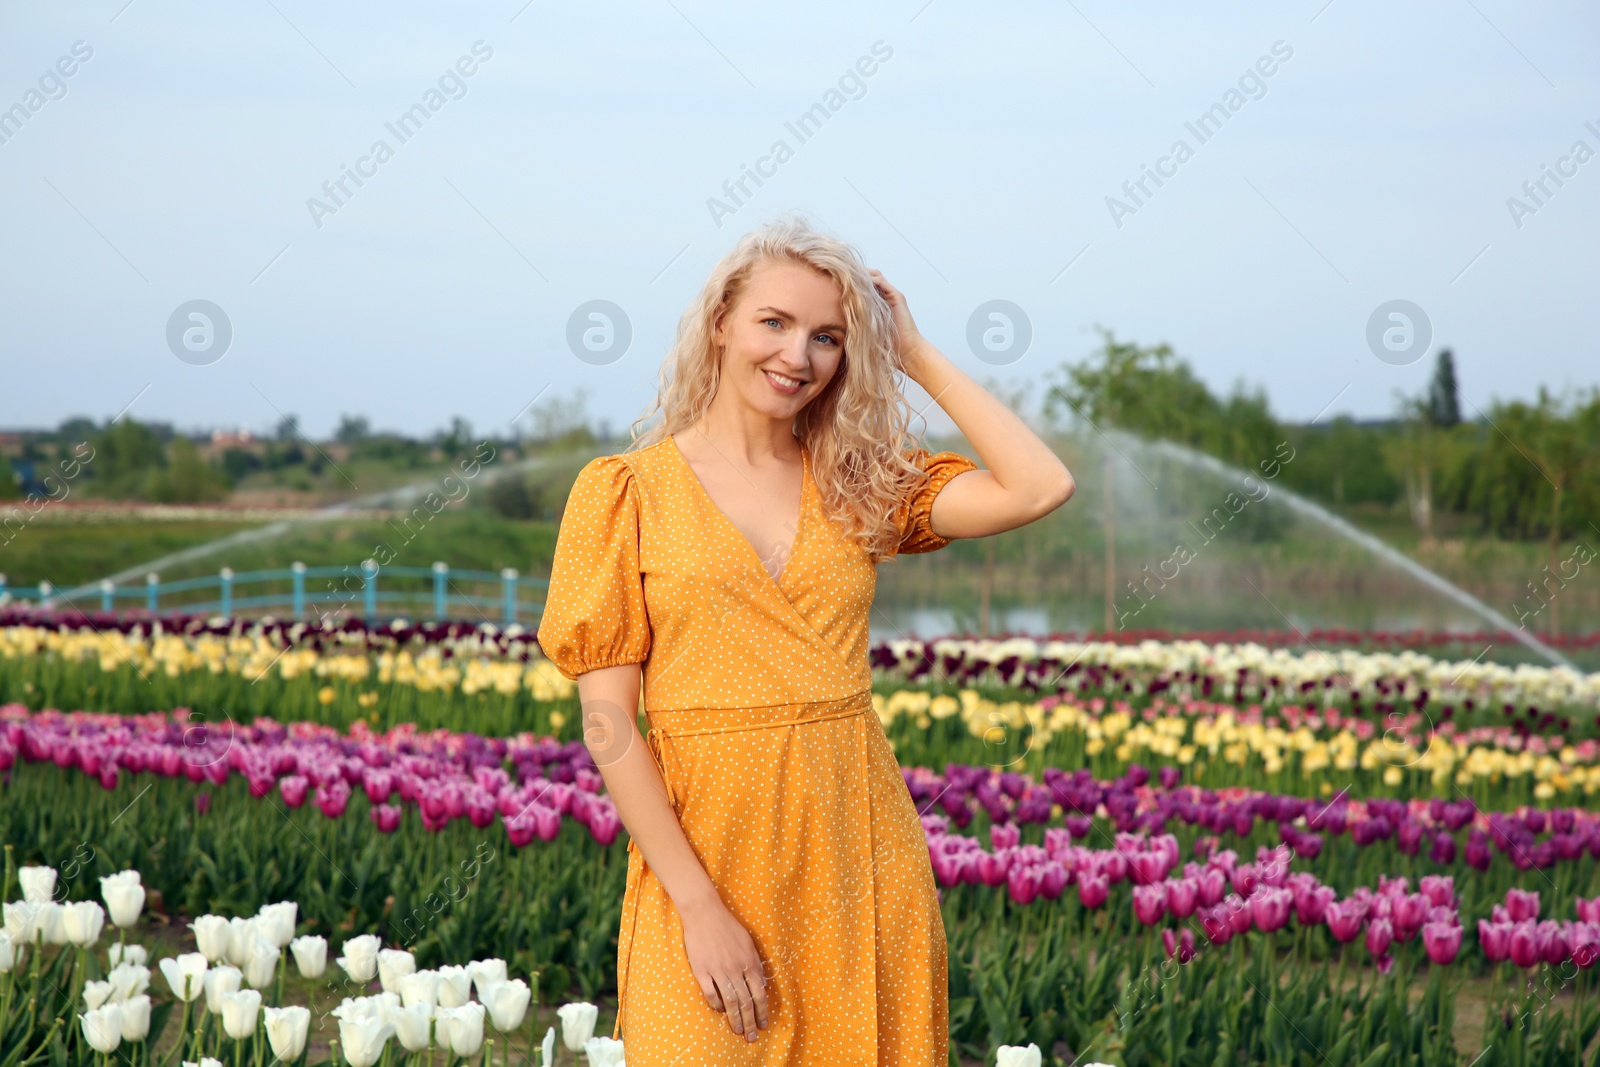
(220, 981)
(259, 968)
(486, 972)
(362, 1039)
(128, 979)
(136, 1017)
(419, 987)
(96, 994)
(211, 936)
(124, 897)
(577, 1023)
(287, 1029)
(38, 884)
(360, 959)
(275, 922)
(464, 1026)
(205, 1061)
(455, 986)
(121, 953)
(102, 1028)
(239, 1011)
(186, 975)
(310, 955)
(83, 922)
(603, 1052)
(22, 921)
(52, 923)
(242, 938)
(392, 964)
(508, 1004)
(1017, 1056)
(547, 1049)
(9, 954)
(413, 1025)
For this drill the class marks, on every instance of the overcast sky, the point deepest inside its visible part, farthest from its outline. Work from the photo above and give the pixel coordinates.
(179, 159)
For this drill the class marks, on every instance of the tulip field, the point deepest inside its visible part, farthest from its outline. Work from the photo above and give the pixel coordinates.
(390, 846)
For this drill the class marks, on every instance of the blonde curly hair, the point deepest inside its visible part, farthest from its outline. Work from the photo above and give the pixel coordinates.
(857, 429)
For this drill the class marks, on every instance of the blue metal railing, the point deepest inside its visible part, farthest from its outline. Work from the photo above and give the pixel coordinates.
(438, 592)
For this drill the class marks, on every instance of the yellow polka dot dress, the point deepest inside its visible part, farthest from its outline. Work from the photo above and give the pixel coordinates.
(758, 695)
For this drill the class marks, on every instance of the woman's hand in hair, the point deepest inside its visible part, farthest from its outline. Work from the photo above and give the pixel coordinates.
(912, 345)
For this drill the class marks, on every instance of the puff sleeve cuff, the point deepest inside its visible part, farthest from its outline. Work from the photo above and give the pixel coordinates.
(914, 516)
(594, 611)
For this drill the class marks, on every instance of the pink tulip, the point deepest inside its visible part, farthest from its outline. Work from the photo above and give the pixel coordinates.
(1181, 946)
(547, 822)
(1442, 941)
(332, 798)
(293, 789)
(1555, 948)
(1585, 940)
(378, 785)
(1022, 882)
(1527, 950)
(1311, 904)
(1440, 889)
(1149, 903)
(1213, 886)
(1004, 835)
(993, 868)
(1216, 924)
(1245, 879)
(604, 823)
(1240, 914)
(520, 828)
(1522, 904)
(1344, 920)
(1052, 879)
(1182, 896)
(1495, 937)
(1588, 910)
(1093, 889)
(386, 817)
(1269, 907)
(1380, 932)
(1409, 913)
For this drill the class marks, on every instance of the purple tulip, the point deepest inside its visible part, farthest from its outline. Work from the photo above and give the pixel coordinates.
(1093, 889)
(1239, 914)
(1585, 940)
(1311, 904)
(1442, 942)
(1004, 835)
(1495, 937)
(1527, 950)
(1555, 948)
(1522, 904)
(1380, 932)
(1217, 925)
(293, 789)
(1180, 947)
(386, 817)
(1269, 907)
(1344, 920)
(1149, 903)
(332, 798)
(1409, 912)
(1183, 895)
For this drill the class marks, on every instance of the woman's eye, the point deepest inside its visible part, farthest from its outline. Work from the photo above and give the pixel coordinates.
(778, 321)
(830, 337)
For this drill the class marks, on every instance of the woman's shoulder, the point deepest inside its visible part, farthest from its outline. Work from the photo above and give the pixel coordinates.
(621, 470)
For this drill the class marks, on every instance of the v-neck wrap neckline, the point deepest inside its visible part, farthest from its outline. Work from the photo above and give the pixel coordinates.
(730, 527)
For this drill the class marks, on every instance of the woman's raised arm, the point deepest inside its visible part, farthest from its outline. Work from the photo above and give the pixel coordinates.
(1024, 481)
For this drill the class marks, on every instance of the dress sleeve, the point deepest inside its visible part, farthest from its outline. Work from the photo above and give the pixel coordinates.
(916, 531)
(594, 611)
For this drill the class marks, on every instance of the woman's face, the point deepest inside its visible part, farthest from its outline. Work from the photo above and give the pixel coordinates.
(783, 339)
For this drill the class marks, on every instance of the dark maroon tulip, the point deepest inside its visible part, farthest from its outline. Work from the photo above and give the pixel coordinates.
(202, 802)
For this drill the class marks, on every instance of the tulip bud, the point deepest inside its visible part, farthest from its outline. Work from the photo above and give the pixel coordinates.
(464, 1026)
(220, 981)
(239, 1012)
(393, 964)
(577, 1024)
(124, 897)
(605, 1052)
(136, 1017)
(211, 936)
(38, 884)
(310, 955)
(360, 959)
(287, 1029)
(83, 922)
(102, 1028)
(508, 1004)
(185, 975)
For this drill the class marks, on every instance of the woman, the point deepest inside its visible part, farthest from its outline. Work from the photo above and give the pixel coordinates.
(780, 905)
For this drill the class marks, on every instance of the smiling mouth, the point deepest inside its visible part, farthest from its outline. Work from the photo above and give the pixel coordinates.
(782, 382)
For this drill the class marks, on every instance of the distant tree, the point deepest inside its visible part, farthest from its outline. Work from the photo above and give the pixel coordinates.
(187, 477)
(76, 429)
(239, 462)
(512, 497)
(457, 439)
(353, 429)
(288, 428)
(127, 453)
(1444, 404)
